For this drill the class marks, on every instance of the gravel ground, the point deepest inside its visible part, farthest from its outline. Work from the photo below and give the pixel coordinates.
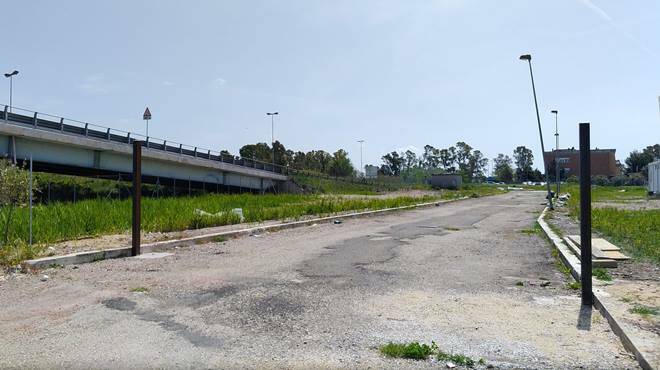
(318, 297)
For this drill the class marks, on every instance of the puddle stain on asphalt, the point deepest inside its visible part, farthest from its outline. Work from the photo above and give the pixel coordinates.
(164, 321)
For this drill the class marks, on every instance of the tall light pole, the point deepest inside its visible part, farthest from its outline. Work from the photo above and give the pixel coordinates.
(361, 166)
(272, 133)
(528, 58)
(10, 76)
(557, 175)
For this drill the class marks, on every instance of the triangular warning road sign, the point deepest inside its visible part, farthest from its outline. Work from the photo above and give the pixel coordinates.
(147, 114)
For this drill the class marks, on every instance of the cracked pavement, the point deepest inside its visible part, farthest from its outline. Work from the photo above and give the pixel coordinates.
(324, 296)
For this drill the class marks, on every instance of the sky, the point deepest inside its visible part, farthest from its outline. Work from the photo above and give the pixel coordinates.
(397, 74)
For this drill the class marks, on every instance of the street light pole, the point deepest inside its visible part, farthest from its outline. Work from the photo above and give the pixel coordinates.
(272, 133)
(528, 58)
(361, 166)
(557, 174)
(11, 87)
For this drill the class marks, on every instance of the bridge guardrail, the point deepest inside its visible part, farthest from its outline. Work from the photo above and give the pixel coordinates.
(70, 126)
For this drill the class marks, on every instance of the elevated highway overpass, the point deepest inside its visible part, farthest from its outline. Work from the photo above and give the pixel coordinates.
(66, 146)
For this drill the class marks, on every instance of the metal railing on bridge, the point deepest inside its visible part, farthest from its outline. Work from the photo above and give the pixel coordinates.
(69, 126)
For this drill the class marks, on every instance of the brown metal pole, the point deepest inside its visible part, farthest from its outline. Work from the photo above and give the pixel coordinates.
(585, 214)
(137, 195)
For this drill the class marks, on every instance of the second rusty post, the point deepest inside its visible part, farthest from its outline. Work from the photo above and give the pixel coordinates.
(137, 195)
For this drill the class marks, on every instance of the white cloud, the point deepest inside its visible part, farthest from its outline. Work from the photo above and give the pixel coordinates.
(168, 83)
(220, 81)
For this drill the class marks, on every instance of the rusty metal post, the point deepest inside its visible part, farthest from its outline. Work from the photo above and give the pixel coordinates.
(137, 195)
(585, 214)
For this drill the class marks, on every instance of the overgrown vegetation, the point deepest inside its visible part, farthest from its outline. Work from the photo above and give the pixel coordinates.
(575, 285)
(318, 184)
(458, 359)
(601, 274)
(14, 192)
(63, 221)
(417, 351)
(644, 310)
(636, 231)
(412, 350)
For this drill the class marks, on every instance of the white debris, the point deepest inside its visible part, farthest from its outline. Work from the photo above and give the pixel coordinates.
(236, 211)
(45, 278)
(451, 365)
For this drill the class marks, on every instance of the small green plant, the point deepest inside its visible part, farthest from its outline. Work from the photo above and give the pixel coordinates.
(458, 359)
(139, 289)
(574, 285)
(601, 274)
(644, 310)
(220, 239)
(413, 350)
(520, 283)
(18, 251)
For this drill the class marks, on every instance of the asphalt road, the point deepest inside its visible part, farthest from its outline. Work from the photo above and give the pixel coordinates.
(324, 296)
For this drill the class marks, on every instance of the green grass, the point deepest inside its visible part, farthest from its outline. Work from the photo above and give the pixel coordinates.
(574, 285)
(644, 310)
(534, 230)
(417, 351)
(64, 221)
(601, 274)
(18, 251)
(637, 232)
(412, 350)
(457, 359)
(139, 289)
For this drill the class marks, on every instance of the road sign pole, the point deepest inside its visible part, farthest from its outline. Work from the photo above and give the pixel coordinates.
(585, 214)
(137, 195)
(147, 116)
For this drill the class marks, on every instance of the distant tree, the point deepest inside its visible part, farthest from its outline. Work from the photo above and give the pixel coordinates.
(476, 166)
(503, 169)
(430, 158)
(463, 153)
(639, 161)
(410, 160)
(283, 157)
(392, 164)
(259, 151)
(448, 159)
(524, 159)
(340, 165)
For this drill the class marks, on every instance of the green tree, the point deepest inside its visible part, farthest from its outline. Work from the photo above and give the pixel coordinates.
(410, 160)
(14, 191)
(259, 151)
(448, 159)
(503, 169)
(524, 159)
(476, 166)
(463, 153)
(392, 164)
(340, 165)
(430, 158)
(638, 161)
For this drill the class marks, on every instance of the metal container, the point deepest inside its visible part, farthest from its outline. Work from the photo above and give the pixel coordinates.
(446, 181)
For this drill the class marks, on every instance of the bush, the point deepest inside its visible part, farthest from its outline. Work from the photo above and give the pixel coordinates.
(412, 350)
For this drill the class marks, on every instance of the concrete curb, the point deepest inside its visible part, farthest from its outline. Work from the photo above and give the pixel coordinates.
(98, 255)
(572, 262)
